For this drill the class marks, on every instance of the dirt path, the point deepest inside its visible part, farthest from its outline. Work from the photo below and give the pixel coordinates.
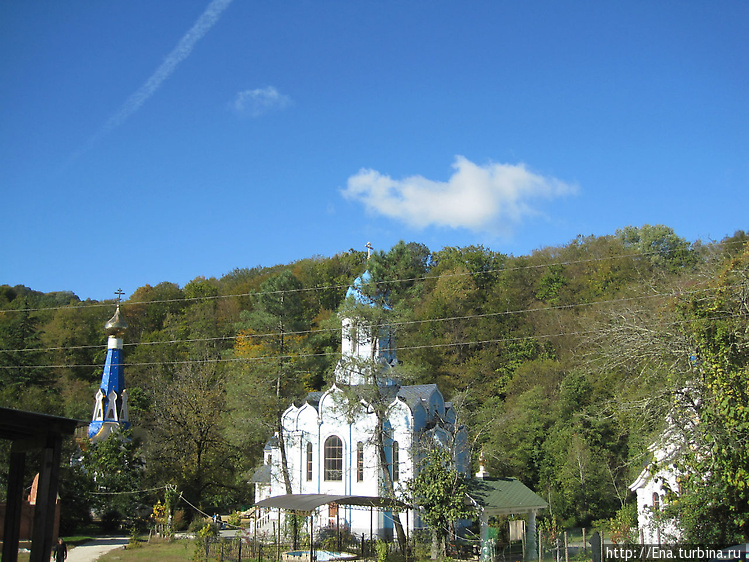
(90, 551)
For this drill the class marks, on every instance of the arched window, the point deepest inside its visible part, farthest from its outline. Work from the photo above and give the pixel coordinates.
(309, 461)
(396, 461)
(656, 501)
(333, 467)
(359, 461)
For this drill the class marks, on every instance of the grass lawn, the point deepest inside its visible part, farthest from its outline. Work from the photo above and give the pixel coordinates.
(176, 551)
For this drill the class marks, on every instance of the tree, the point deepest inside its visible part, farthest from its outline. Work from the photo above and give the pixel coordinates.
(370, 322)
(713, 505)
(116, 468)
(660, 244)
(187, 446)
(277, 319)
(440, 491)
(19, 341)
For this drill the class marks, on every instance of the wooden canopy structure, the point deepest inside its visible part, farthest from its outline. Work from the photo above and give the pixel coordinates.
(30, 431)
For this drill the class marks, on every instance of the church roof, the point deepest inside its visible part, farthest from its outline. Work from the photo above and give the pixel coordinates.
(116, 325)
(313, 398)
(262, 475)
(414, 394)
(355, 292)
(271, 443)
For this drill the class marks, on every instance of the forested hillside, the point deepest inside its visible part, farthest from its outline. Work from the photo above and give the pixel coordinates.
(564, 364)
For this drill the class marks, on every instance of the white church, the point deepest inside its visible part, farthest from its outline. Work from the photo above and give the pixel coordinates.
(330, 437)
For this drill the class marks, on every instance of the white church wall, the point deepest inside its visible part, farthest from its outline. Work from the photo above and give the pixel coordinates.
(651, 500)
(651, 487)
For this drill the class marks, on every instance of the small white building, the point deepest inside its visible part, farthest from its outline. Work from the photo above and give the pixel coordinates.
(651, 486)
(330, 437)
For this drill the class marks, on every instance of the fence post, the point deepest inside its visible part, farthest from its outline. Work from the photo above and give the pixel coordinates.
(566, 548)
(540, 545)
(585, 544)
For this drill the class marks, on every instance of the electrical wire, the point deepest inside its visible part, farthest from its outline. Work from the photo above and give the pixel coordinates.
(83, 305)
(131, 491)
(219, 360)
(241, 336)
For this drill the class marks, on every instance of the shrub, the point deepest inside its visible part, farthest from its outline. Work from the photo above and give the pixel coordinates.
(381, 549)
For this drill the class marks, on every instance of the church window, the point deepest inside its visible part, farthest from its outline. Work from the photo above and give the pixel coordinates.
(396, 461)
(656, 501)
(359, 461)
(333, 458)
(309, 462)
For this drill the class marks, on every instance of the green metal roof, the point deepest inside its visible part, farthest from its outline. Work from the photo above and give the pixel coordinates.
(504, 496)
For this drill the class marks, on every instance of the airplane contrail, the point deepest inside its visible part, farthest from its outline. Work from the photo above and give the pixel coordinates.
(183, 49)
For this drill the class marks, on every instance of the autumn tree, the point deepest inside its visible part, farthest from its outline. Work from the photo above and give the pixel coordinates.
(186, 443)
(269, 340)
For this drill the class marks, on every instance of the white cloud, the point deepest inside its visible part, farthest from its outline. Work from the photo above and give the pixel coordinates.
(488, 198)
(254, 103)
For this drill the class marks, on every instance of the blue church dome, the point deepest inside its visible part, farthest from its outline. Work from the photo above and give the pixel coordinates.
(355, 291)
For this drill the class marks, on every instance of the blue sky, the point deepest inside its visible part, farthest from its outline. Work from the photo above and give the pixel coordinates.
(147, 141)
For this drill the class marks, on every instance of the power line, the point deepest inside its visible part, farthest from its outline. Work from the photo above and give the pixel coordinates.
(241, 336)
(334, 353)
(131, 491)
(83, 305)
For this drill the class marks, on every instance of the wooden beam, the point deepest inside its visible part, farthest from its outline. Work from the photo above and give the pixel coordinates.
(12, 525)
(46, 500)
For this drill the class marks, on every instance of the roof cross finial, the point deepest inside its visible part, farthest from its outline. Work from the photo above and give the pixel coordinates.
(369, 250)
(119, 293)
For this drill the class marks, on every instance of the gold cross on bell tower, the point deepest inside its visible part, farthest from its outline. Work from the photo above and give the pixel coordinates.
(369, 250)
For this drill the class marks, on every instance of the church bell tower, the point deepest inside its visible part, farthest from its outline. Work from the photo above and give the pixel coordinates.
(110, 403)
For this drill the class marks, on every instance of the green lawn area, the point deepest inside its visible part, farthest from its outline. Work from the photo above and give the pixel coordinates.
(176, 551)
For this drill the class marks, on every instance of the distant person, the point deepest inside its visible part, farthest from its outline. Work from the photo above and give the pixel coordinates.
(60, 551)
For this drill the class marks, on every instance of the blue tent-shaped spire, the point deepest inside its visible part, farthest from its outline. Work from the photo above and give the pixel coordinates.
(110, 403)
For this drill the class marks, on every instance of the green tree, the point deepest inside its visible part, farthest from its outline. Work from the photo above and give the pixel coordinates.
(440, 491)
(714, 504)
(116, 468)
(19, 346)
(660, 244)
